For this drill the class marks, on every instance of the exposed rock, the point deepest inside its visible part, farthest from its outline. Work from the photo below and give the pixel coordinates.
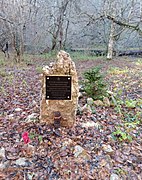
(10, 116)
(81, 153)
(79, 110)
(30, 176)
(98, 103)
(107, 148)
(21, 162)
(93, 118)
(78, 150)
(34, 103)
(91, 124)
(32, 117)
(63, 67)
(84, 93)
(3, 165)
(110, 92)
(18, 109)
(57, 132)
(67, 142)
(23, 113)
(80, 95)
(81, 89)
(2, 152)
(93, 109)
(86, 109)
(114, 177)
(106, 101)
(63, 153)
(84, 156)
(90, 101)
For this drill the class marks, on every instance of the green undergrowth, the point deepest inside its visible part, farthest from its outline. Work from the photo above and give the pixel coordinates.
(117, 70)
(139, 62)
(121, 135)
(74, 55)
(126, 100)
(3, 73)
(94, 84)
(39, 69)
(28, 59)
(128, 129)
(49, 56)
(2, 62)
(84, 56)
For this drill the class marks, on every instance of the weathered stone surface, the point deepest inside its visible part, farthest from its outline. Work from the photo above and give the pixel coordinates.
(81, 154)
(114, 177)
(21, 162)
(107, 148)
(2, 152)
(106, 101)
(63, 67)
(90, 101)
(98, 103)
(31, 117)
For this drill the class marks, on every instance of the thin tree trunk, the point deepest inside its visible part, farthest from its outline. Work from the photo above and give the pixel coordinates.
(54, 43)
(111, 42)
(21, 45)
(16, 47)
(66, 34)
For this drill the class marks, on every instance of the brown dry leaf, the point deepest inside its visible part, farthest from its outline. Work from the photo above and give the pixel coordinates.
(2, 176)
(18, 176)
(28, 150)
(103, 173)
(49, 143)
(103, 162)
(91, 177)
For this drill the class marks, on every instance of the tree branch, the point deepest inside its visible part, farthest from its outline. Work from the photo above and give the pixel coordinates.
(5, 19)
(125, 24)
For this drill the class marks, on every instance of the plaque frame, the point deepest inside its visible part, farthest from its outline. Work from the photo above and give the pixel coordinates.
(58, 87)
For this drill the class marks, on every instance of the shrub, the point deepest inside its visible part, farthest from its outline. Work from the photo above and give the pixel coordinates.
(121, 136)
(93, 84)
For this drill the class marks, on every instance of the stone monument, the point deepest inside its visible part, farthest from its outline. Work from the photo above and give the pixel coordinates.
(59, 95)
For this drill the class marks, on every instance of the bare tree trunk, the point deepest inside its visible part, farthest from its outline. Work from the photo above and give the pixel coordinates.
(111, 42)
(58, 30)
(54, 41)
(61, 38)
(16, 47)
(21, 45)
(66, 34)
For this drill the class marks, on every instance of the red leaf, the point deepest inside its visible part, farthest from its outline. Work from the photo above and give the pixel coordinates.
(25, 137)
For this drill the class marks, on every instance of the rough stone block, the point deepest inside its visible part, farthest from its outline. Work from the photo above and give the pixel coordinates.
(66, 108)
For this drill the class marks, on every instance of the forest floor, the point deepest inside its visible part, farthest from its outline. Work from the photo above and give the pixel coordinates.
(111, 149)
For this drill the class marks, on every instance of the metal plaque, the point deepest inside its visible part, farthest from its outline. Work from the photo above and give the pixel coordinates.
(58, 87)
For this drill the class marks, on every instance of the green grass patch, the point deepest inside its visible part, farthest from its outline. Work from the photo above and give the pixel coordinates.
(83, 56)
(49, 56)
(39, 69)
(121, 135)
(117, 71)
(27, 59)
(130, 103)
(2, 62)
(139, 62)
(3, 90)
(74, 56)
(3, 73)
